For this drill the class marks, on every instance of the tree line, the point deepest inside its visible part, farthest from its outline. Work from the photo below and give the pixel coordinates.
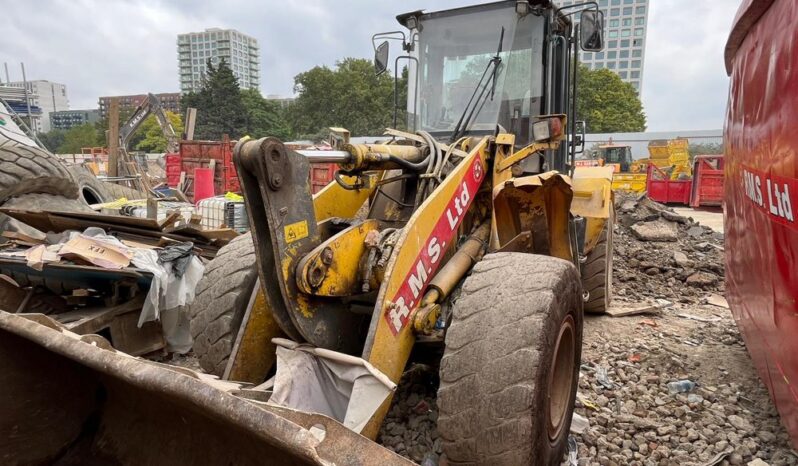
(348, 95)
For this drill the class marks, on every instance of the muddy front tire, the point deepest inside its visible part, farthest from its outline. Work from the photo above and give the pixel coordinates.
(510, 369)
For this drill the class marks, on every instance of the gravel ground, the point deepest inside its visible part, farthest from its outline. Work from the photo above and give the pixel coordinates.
(634, 419)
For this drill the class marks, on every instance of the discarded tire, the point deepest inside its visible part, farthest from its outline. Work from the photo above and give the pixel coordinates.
(510, 369)
(90, 189)
(46, 202)
(37, 202)
(221, 301)
(116, 191)
(25, 169)
(597, 273)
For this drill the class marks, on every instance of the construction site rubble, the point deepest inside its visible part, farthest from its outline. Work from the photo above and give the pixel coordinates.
(175, 271)
(683, 392)
(661, 254)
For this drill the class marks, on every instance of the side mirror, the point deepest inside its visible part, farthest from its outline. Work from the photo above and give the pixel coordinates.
(381, 58)
(579, 137)
(591, 24)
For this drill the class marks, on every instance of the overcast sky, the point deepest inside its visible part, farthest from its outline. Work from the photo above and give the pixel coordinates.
(109, 47)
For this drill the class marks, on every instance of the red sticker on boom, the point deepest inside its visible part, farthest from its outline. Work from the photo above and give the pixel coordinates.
(428, 260)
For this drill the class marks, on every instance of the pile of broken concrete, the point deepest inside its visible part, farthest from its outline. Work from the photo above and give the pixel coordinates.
(661, 254)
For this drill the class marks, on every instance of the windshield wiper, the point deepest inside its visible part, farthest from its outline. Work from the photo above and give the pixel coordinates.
(492, 73)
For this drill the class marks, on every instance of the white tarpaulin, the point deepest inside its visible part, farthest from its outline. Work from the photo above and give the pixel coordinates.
(10, 130)
(343, 387)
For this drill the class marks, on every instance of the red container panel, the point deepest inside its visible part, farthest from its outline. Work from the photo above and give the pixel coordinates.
(661, 189)
(321, 174)
(761, 194)
(198, 154)
(707, 181)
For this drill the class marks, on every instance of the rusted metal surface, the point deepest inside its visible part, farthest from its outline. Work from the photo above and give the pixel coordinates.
(537, 204)
(66, 400)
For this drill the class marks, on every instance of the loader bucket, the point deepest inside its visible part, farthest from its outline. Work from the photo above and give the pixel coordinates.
(67, 399)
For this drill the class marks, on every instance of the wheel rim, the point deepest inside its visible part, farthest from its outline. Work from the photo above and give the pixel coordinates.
(561, 378)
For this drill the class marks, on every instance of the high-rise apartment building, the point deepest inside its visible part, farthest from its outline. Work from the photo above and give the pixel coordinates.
(240, 51)
(46, 95)
(625, 28)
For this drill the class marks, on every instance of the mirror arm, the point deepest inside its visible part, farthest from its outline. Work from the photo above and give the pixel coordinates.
(390, 35)
(577, 7)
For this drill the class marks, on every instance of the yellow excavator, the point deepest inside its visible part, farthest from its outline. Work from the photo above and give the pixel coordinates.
(469, 235)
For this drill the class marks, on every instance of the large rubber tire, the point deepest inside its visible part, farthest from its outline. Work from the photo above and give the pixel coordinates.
(597, 273)
(116, 191)
(46, 202)
(90, 189)
(25, 169)
(221, 301)
(510, 368)
(38, 202)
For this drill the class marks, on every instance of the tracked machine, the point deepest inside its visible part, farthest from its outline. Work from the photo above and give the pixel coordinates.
(468, 236)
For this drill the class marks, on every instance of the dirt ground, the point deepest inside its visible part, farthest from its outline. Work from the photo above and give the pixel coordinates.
(710, 216)
(627, 362)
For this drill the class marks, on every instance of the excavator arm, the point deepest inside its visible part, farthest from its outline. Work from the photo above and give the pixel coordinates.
(151, 105)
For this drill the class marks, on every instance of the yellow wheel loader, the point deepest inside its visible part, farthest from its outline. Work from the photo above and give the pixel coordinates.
(470, 234)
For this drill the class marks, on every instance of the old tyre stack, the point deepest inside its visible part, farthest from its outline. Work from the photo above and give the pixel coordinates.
(32, 178)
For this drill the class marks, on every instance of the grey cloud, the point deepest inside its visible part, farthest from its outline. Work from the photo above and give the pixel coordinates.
(110, 47)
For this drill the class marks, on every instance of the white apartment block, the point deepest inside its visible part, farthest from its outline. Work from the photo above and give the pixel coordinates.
(240, 51)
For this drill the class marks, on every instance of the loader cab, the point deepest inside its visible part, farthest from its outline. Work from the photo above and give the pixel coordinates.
(491, 68)
(616, 155)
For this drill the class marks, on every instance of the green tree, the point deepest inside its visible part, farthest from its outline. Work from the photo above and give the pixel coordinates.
(350, 96)
(263, 117)
(52, 139)
(77, 138)
(153, 139)
(219, 105)
(607, 104)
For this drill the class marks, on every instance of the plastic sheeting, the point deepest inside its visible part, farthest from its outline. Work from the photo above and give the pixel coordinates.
(168, 293)
(343, 387)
